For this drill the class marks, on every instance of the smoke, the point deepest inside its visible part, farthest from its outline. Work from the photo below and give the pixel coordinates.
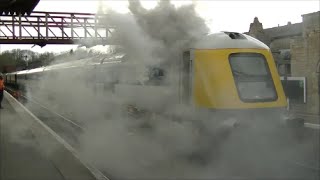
(149, 145)
(156, 37)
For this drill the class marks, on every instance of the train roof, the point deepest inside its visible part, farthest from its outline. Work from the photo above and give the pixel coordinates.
(91, 61)
(30, 71)
(224, 40)
(86, 62)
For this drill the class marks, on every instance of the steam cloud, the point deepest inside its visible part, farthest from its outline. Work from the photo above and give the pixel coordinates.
(149, 38)
(156, 37)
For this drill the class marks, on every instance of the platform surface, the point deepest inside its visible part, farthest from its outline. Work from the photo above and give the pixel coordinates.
(20, 154)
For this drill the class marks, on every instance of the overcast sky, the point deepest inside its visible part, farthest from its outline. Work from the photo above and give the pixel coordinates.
(219, 15)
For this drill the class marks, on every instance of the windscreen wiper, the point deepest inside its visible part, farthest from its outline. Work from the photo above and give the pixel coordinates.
(239, 73)
(243, 75)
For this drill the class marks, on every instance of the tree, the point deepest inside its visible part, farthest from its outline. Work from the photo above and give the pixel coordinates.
(17, 59)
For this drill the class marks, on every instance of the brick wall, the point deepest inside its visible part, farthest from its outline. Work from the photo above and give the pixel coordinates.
(304, 61)
(278, 44)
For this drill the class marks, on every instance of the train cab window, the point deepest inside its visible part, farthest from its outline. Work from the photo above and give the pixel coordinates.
(156, 73)
(252, 77)
(155, 76)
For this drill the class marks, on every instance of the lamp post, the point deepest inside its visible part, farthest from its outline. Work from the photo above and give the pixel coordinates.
(26, 59)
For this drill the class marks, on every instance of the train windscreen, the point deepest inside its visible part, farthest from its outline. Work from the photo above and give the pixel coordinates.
(252, 77)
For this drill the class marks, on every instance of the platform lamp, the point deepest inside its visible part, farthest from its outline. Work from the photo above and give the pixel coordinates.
(26, 59)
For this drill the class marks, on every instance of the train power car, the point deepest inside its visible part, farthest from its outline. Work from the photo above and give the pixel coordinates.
(226, 73)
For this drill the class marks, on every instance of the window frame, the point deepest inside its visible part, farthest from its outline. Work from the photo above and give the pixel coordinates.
(268, 78)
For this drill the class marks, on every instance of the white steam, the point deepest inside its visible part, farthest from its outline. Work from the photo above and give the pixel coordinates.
(149, 146)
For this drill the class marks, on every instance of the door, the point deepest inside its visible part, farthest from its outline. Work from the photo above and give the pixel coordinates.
(186, 78)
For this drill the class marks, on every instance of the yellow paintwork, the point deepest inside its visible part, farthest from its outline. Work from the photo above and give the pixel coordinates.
(214, 86)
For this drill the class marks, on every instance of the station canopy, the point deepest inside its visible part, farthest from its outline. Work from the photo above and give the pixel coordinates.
(16, 7)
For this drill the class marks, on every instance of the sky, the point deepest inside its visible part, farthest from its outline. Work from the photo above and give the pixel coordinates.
(220, 15)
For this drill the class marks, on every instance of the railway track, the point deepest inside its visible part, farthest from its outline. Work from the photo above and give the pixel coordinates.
(68, 129)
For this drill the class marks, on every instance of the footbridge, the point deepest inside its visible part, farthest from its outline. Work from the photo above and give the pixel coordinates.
(42, 28)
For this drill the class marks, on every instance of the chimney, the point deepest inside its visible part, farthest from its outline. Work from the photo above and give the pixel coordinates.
(256, 26)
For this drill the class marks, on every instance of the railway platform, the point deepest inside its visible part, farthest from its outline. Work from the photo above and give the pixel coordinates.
(28, 151)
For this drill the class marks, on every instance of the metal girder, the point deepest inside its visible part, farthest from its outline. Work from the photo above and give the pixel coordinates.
(43, 28)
